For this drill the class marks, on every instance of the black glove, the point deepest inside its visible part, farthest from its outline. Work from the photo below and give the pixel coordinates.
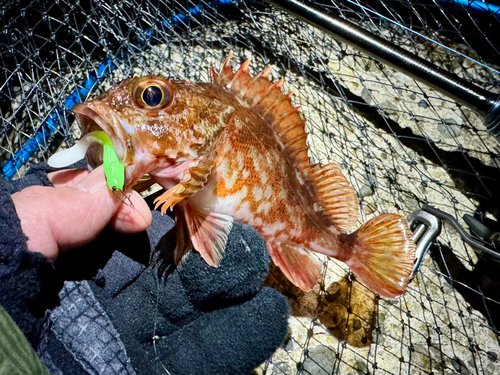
(204, 320)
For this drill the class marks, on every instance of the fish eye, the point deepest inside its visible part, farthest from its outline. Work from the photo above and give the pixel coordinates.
(153, 94)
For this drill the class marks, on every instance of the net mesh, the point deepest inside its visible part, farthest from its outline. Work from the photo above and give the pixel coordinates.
(400, 143)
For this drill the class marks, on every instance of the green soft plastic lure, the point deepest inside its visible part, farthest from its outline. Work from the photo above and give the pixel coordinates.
(113, 169)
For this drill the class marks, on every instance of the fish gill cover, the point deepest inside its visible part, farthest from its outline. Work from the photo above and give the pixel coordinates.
(401, 144)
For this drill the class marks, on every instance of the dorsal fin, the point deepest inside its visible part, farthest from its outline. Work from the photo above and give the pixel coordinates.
(334, 194)
(267, 99)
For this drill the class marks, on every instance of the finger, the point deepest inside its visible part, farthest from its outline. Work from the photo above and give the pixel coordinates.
(78, 214)
(133, 215)
(62, 218)
(93, 181)
(67, 177)
(57, 219)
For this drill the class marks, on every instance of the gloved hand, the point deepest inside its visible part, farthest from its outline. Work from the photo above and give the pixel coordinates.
(203, 320)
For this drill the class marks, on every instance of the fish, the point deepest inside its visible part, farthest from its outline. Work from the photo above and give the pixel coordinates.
(235, 148)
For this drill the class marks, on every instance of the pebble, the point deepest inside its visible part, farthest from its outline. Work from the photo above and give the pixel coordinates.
(281, 368)
(449, 131)
(361, 367)
(468, 63)
(370, 184)
(320, 358)
(466, 112)
(459, 366)
(366, 95)
(389, 107)
(403, 78)
(371, 207)
(423, 104)
(366, 191)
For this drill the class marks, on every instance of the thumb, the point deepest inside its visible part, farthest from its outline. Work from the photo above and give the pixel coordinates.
(99, 207)
(58, 219)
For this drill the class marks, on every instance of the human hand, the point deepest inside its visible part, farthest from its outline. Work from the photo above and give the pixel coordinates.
(75, 211)
(203, 320)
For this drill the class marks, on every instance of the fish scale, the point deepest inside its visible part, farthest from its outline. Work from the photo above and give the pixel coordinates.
(235, 149)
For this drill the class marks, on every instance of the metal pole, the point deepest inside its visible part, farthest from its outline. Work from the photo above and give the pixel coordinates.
(458, 89)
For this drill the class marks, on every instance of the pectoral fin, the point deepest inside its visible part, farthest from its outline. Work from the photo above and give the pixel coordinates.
(170, 198)
(296, 263)
(209, 233)
(194, 178)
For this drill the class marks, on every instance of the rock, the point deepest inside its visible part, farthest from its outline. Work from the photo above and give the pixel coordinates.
(412, 96)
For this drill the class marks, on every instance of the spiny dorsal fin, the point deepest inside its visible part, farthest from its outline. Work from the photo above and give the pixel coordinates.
(267, 99)
(335, 195)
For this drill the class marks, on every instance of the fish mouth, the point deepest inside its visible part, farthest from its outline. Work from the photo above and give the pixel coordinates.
(89, 119)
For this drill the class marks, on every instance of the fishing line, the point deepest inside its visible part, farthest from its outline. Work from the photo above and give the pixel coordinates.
(126, 200)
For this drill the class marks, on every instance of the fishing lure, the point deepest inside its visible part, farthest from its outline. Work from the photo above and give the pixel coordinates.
(113, 169)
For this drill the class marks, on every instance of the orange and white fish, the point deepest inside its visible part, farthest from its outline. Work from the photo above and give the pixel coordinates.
(235, 149)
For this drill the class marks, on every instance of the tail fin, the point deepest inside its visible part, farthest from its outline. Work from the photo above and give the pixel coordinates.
(383, 254)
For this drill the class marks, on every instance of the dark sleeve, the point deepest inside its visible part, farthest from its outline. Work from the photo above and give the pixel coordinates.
(29, 284)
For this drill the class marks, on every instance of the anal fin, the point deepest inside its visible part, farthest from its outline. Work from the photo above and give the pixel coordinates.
(297, 265)
(209, 233)
(183, 239)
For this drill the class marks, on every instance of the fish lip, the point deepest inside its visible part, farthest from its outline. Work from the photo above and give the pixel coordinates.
(90, 120)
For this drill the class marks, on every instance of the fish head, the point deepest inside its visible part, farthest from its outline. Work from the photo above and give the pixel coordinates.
(153, 122)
